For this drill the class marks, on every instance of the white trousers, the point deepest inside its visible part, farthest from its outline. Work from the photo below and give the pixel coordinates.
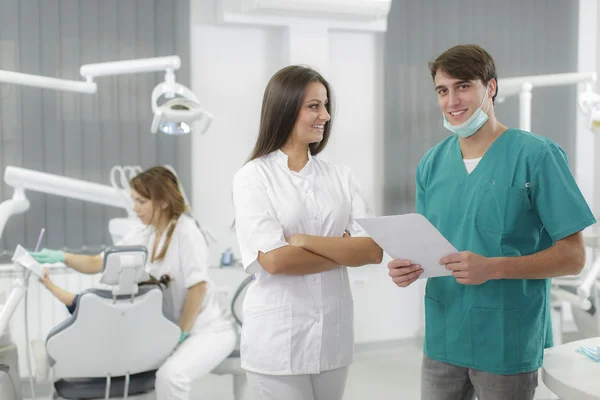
(197, 356)
(328, 385)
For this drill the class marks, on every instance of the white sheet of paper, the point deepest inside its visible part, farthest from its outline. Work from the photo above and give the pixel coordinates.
(413, 237)
(22, 257)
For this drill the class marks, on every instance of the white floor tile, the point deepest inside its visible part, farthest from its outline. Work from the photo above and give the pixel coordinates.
(386, 372)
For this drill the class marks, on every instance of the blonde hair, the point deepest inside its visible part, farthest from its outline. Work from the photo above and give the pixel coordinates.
(160, 186)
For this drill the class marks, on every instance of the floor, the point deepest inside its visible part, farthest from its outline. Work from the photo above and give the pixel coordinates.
(380, 372)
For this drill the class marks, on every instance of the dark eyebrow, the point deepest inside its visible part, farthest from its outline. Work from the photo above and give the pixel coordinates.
(317, 100)
(459, 83)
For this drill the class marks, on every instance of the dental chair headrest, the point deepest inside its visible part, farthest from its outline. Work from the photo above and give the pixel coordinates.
(124, 268)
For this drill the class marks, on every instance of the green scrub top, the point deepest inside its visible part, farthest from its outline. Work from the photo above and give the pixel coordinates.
(519, 200)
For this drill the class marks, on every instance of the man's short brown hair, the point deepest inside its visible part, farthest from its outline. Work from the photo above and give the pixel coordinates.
(466, 62)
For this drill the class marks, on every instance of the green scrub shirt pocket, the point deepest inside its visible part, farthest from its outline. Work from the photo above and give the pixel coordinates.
(435, 329)
(496, 338)
(505, 210)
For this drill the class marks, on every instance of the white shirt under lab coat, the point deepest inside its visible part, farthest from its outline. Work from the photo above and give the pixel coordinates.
(186, 262)
(295, 324)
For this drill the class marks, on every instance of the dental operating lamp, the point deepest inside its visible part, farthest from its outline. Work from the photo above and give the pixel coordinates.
(524, 85)
(589, 104)
(173, 117)
(23, 179)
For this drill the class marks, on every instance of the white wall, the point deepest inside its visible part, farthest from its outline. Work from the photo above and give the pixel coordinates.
(591, 6)
(231, 65)
(587, 143)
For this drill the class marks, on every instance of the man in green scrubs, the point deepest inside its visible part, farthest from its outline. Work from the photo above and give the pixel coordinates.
(508, 202)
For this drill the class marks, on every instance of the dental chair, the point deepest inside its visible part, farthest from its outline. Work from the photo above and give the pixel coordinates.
(116, 339)
(232, 364)
(580, 292)
(587, 320)
(10, 385)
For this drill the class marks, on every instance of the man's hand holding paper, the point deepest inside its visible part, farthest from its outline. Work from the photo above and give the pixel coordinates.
(470, 268)
(415, 245)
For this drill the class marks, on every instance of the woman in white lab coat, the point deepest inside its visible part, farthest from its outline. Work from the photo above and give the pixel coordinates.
(178, 257)
(295, 223)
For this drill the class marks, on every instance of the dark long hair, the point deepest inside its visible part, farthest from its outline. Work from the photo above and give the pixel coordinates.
(281, 105)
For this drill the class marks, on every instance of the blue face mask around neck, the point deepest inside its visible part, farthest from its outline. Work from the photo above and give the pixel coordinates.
(472, 125)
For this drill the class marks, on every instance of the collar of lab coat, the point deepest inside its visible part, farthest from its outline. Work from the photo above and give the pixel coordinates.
(282, 159)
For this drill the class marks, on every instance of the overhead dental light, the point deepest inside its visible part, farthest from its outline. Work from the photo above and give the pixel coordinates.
(174, 117)
(179, 111)
(524, 85)
(589, 105)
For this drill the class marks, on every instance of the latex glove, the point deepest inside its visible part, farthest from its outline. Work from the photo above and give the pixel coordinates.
(47, 256)
(182, 337)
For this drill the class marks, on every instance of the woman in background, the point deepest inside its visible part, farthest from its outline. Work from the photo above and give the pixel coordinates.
(179, 259)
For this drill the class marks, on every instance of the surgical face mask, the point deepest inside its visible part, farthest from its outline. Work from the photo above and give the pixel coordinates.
(472, 125)
(590, 353)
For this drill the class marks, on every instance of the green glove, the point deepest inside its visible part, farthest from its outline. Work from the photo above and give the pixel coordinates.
(183, 336)
(47, 256)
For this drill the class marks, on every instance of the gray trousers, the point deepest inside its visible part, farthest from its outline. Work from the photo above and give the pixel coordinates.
(441, 381)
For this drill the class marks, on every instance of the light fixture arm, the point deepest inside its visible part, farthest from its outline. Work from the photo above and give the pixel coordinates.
(90, 71)
(44, 82)
(170, 83)
(171, 63)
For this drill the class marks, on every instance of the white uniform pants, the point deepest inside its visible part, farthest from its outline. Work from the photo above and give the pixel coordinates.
(197, 356)
(328, 385)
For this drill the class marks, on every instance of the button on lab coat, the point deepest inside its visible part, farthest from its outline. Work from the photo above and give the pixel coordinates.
(295, 324)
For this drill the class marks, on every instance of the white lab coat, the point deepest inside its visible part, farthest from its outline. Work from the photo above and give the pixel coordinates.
(295, 324)
(328, 385)
(212, 337)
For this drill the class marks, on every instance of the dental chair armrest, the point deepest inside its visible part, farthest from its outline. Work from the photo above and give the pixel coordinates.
(585, 289)
(567, 281)
(575, 300)
(41, 360)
